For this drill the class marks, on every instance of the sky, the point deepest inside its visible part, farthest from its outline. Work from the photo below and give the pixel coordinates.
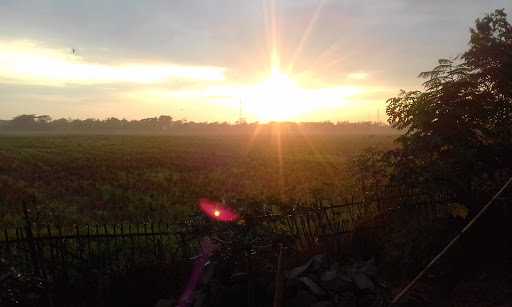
(217, 60)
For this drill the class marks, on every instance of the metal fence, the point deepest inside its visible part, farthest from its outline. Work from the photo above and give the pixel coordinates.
(36, 246)
(65, 255)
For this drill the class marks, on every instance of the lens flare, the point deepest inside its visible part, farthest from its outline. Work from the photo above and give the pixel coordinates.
(217, 211)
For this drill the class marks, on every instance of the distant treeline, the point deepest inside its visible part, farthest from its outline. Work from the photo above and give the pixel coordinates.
(165, 124)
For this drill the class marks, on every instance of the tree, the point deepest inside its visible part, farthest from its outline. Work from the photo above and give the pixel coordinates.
(43, 119)
(457, 130)
(165, 122)
(490, 53)
(23, 122)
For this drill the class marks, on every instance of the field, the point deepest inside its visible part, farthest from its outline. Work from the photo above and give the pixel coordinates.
(115, 179)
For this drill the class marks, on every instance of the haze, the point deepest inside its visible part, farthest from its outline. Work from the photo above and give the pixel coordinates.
(202, 60)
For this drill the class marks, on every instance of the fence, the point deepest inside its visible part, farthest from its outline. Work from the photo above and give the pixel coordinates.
(64, 255)
(304, 224)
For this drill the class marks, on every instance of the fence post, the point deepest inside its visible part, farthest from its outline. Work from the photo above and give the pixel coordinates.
(78, 241)
(6, 235)
(184, 245)
(30, 239)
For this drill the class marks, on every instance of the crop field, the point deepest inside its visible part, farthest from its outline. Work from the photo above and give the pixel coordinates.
(117, 179)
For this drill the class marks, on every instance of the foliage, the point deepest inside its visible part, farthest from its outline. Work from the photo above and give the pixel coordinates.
(165, 124)
(457, 130)
(371, 170)
(138, 179)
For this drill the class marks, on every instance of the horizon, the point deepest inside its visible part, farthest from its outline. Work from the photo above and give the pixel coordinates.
(244, 121)
(306, 61)
(231, 123)
(262, 153)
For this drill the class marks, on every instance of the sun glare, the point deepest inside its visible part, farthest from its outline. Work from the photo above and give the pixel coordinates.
(276, 98)
(281, 98)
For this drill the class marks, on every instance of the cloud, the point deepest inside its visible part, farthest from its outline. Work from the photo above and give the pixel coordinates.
(210, 52)
(23, 61)
(360, 75)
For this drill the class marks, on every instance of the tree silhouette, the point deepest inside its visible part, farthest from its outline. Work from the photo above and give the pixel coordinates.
(457, 130)
(23, 122)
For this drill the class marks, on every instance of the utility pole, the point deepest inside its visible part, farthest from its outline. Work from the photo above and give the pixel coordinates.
(241, 119)
(240, 112)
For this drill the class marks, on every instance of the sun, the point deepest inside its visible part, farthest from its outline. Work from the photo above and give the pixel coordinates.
(280, 97)
(277, 98)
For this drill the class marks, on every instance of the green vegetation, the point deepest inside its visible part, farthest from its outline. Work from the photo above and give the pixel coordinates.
(457, 134)
(165, 124)
(113, 179)
(457, 139)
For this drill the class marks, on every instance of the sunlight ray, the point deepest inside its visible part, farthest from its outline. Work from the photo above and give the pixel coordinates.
(329, 58)
(327, 52)
(253, 137)
(328, 165)
(266, 22)
(276, 131)
(271, 31)
(305, 36)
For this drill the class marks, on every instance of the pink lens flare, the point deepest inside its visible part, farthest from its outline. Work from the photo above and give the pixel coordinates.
(218, 211)
(207, 249)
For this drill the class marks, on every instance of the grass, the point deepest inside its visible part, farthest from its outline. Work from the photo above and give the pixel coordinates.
(114, 179)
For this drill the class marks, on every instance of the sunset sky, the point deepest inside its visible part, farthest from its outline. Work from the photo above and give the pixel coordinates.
(306, 60)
